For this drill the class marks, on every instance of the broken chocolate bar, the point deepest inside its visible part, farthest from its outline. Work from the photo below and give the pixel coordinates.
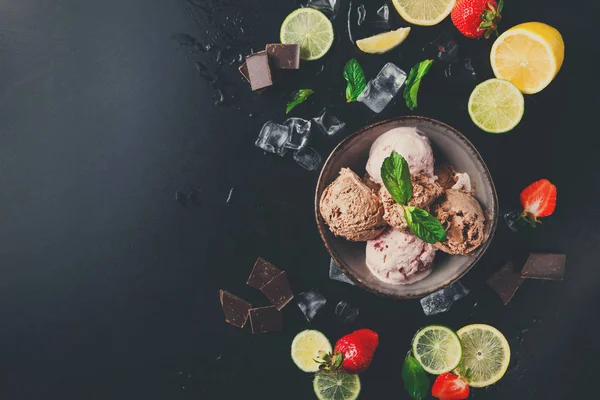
(545, 266)
(262, 273)
(244, 71)
(278, 291)
(284, 56)
(505, 282)
(235, 309)
(265, 319)
(259, 71)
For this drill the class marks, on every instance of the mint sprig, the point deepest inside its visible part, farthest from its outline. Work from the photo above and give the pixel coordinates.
(415, 379)
(354, 75)
(413, 82)
(424, 225)
(298, 97)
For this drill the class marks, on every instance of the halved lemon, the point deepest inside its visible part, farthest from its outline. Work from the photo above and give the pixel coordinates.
(528, 55)
(383, 42)
(306, 347)
(424, 12)
(496, 106)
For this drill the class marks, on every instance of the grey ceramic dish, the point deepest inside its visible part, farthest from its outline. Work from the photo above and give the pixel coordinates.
(450, 146)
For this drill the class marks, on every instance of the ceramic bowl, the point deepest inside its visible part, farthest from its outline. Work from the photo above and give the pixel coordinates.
(449, 146)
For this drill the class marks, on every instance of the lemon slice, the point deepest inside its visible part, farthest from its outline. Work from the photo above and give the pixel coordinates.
(309, 28)
(529, 55)
(437, 349)
(424, 12)
(496, 106)
(336, 386)
(306, 347)
(486, 354)
(383, 42)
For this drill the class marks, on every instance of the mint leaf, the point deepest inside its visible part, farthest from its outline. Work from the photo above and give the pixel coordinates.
(411, 90)
(396, 178)
(298, 97)
(354, 75)
(415, 379)
(424, 225)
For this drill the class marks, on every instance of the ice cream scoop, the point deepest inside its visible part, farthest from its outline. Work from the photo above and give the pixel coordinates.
(449, 178)
(351, 209)
(415, 148)
(399, 257)
(464, 221)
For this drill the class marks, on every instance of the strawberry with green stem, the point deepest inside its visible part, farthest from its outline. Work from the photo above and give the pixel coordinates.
(477, 18)
(538, 201)
(352, 353)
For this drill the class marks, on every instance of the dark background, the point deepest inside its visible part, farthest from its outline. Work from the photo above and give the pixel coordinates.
(109, 287)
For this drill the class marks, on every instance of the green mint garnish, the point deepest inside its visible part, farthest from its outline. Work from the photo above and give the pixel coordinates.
(396, 178)
(415, 379)
(424, 225)
(298, 97)
(411, 90)
(354, 75)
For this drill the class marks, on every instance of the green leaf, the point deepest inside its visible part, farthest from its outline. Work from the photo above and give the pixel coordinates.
(396, 178)
(500, 6)
(424, 225)
(411, 90)
(354, 75)
(298, 97)
(415, 379)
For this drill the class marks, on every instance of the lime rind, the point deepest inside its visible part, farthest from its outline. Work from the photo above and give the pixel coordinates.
(437, 348)
(496, 106)
(337, 386)
(309, 28)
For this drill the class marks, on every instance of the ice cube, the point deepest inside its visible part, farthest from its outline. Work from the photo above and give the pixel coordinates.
(384, 13)
(381, 90)
(310, 303)
(461, 71)
(272, 138)
(299, 133)
(441, 301)
(515, 221)
(346, 314)
(362, 14)
(328, 124)
(308, 158)
(336, 273)
(327, 7)
(367, 20)
(443, 48)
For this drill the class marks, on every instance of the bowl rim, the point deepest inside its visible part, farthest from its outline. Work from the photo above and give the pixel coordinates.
(323, 229)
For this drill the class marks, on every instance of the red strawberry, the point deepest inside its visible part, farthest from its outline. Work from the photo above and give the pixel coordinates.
(450, 387)
(352, 353)
(538, 200)
(475, 18)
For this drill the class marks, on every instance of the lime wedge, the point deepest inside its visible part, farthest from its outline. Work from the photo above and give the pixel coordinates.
(496, 106)
(336, 386)
(383, 42)
(309, 28)
(486, 354)
(437, 349)
(306, 347)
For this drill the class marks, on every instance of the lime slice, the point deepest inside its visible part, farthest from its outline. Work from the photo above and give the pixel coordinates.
(424, 12)
(437, 349)
(496, 106)
(383, 42)
(309, 28)
(306, 347)
(486, 354)
(336, 386)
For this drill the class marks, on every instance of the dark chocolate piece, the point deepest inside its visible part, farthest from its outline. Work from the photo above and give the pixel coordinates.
(244, 71)
(265, 319)
(262, 273)
(259, 71)
(235, 309)
(505, 282)
(278, 291)
(284, 56)
(545, 266)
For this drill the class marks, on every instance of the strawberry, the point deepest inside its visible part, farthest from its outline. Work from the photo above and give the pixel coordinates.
(352, 353)
(450, 387)
(538, 200)
(476, 18)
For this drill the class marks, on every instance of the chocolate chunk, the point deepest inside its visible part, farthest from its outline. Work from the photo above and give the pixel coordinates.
(284, 56)
(244, 71)
(235, 309)
(278, 291)
(258, 70)
(505, 282)
(545, 266)
(266, 319)
(262, 273)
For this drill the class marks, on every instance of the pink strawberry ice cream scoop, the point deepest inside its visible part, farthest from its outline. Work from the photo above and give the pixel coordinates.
(415, 148)
(399, 257)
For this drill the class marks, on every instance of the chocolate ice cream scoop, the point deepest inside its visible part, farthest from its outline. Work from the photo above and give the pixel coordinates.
(425, 192)
(449, 178)
(351, 209)
(464, 221)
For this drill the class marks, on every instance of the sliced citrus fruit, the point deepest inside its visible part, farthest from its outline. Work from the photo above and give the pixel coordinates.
(336, 386)
(437, 349)
(424, 12)
(496, 106)
(486, 354)
(529, 55)
(306, 347)
(383, 42)
(309, 28)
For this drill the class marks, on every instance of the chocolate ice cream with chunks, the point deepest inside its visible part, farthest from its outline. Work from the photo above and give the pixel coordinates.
(351, 209)
(450, 178)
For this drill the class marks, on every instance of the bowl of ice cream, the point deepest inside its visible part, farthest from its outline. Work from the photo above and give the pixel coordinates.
(365, 230)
